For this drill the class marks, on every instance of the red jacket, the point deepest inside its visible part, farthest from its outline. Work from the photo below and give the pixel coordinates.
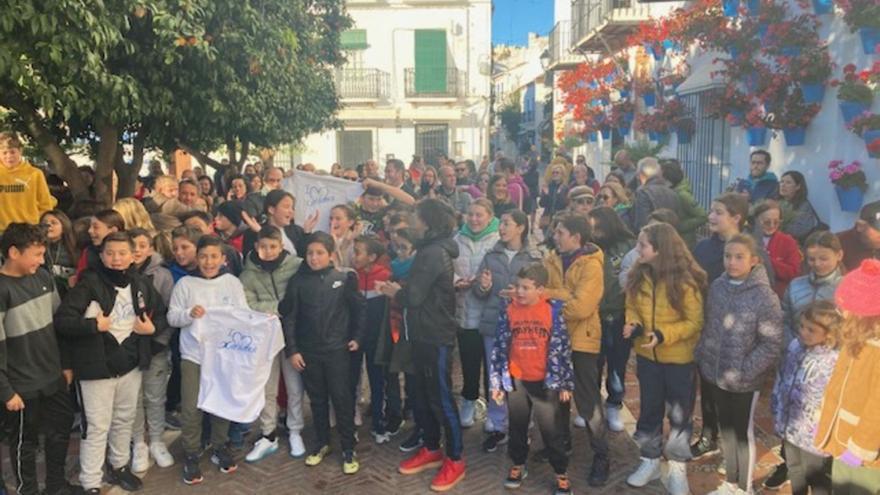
(378, 272)
(786, 258)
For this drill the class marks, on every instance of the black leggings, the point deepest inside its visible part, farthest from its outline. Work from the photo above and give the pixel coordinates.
(470, 351)
(736, 411)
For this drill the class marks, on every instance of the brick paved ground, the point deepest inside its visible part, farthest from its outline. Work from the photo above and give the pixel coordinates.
(280, 474)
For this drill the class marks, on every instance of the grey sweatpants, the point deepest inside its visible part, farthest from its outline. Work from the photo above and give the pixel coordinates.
(109, 409)
(294, 385)
(151, 400)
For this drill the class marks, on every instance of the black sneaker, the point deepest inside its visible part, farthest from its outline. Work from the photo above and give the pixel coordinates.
(192, 474)
(515, 477)
(563, 485)
(413, 442)
(704, 447)
(393, 426)
(222, 458)
(125, 479)
(778, 478)
(494, 439)
(599, 471)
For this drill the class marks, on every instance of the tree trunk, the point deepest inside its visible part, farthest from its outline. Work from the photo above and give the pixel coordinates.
(108, 149)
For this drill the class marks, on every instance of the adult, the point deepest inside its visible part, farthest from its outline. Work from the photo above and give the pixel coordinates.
(863, 240)
(449, 191)
(428, 182)
(785, 255)
(627, 168)
(581, 200)
(615, 196)
(575, 268)
(582, 160)
(554, 193)
(475, 238)
(371, 169)
(761, 183)
(209, 194)
(417, 168)
(532, 180)
(465, 172)
(428, 302)
(615, 240)
(271, 181)
(24, 194)
(691, 215)
(580, 176)
(653, 193)
(499, 194)
(395, 176)
(350, 174)
(516, 186)
(799, 218)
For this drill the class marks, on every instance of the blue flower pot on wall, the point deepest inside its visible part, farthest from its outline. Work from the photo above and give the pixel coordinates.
(606, 133)
(650, 99)
(870, 39)
(623, 130)
(737, 118)
(684, 136)
(850, 198)
(730, 7)
(624, 94)
(813, 92)
(790, 51)
(754, 6)
(795, 136)
(594, 137)
(822, 6)
(870, 136)
(734, 52)
(756, 136)
(852, 109)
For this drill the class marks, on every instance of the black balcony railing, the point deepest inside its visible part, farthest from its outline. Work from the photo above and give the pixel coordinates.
(561, 44)
(430, 82)
(362, 84)
(588, 15)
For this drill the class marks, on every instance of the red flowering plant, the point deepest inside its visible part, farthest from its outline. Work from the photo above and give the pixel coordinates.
(847, 176)
(651, 35)
(792, 112)
(730, 104)
(644, 85)
(652, 122)
(787, 38)
(699, 21)
(860, 13)
(756, 117)
(812, 66)
(587, 85)
(621, 113)
(854, 86)
(864, 122)
(669, 115)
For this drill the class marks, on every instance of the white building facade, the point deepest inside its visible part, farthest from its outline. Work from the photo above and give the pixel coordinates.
(417, 82)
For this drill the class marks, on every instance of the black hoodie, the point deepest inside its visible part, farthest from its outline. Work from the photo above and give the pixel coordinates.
(322, 311)
(429, 295)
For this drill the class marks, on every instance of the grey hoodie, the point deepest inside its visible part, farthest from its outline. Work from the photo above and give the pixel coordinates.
(741, 341)
(504, 273)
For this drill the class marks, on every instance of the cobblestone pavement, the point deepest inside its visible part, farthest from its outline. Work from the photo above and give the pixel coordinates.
(279, 474)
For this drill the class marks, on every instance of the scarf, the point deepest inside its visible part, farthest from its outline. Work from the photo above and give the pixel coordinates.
(117, 278)
(400, 268)
(477, 236)
(268, 266)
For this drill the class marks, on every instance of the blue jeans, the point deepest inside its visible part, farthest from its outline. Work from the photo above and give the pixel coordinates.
(615, 352)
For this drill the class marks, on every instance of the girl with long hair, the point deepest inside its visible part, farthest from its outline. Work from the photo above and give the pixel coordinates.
(61, 250)
(498, 193)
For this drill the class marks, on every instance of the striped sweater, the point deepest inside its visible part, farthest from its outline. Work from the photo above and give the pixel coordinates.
(30, 361)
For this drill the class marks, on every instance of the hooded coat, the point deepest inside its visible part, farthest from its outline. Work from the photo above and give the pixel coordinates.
(472, 247)
(266, 283)
(504, 272)
(803, 291)
(580, 288)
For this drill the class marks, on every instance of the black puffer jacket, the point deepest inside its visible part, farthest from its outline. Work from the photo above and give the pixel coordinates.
(322, 311)
(429, 296)
(97, 355)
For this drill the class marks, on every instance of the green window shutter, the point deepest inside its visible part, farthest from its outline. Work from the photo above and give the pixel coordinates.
(353, 39)
(430, 58)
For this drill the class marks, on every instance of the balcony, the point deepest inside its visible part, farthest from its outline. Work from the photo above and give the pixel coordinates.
(561, 56)
(439, 83)
(601, 24)
(362, 84)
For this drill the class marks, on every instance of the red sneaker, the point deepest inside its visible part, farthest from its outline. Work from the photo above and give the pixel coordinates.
(449, 475)
(424, 459)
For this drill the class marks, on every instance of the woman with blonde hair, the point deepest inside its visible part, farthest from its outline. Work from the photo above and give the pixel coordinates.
(135, 215)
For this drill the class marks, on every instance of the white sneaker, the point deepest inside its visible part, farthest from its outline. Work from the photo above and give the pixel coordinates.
(648, 471)
(676, 481)
(580, 422)
(466, 413)
(161, 455)
(297, 447)
(380, 438)
(726, 488)
(140, 457)
(262, 449)
(612, 415)
(488, 426)
(358, 419)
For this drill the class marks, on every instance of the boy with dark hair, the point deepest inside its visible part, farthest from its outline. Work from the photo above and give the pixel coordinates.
(227, 224)
(32, 383)
(323, 317)
(108, 321)
(204, 222)
(371, 210)
(531, 364)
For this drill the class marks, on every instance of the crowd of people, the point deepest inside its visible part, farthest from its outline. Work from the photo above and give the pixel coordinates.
(545, 282)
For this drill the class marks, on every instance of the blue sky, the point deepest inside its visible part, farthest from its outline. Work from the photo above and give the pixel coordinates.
(514, 19)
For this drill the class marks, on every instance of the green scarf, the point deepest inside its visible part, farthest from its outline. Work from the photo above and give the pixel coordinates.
(476, 236)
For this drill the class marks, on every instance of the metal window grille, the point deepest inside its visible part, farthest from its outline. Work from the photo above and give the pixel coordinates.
(354, 147)
(706, 160)
(431, 141)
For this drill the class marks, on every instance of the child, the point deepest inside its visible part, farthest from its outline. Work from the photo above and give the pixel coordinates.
(108, 321)
(664, 313)
(102, 223)
(32, 384)
(61, 251)
(268, 269)
(849, 425)
(386, 416)
(25, 193)
(741, 342)
(209, 286)
(323, 321)
(184, 242)
(531, 363)
(204, 222)
(797, 397)
(575, 269)
(151, 402)
(227, 223)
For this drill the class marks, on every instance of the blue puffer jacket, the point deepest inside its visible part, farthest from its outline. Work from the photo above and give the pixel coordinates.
(560, 373)
(797, 396)
(504, 272)
(802, 291)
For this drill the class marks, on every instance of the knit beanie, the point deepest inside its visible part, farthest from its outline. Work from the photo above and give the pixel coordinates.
(857, 292)
(231, 210)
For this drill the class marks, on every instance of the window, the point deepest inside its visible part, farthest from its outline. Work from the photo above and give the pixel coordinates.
(431, 141)
(354, 147)
(354, 39)
(430, 61)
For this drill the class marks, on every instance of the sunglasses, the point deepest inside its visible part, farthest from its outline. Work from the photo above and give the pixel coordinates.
(603, 197)
(584, 201)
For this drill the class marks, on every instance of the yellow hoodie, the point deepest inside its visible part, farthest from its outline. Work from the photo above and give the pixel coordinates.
(24, 195)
